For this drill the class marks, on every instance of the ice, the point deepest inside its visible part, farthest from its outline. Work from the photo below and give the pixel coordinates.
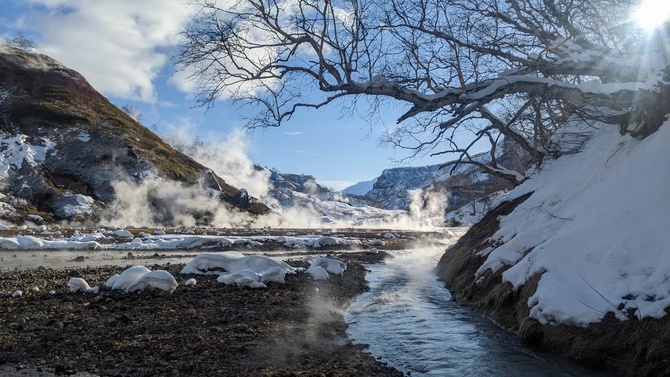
(249, 283)
(259, 263)
(158, 279)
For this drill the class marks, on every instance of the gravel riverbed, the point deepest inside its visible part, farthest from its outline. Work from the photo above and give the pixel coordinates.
(207, 329)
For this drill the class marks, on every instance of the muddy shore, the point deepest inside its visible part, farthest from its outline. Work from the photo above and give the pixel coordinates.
(208, 329)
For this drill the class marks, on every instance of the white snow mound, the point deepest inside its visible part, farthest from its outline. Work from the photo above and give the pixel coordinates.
(207, 263)
(233, 277)
(332, 266)
(158, 279)
(318, 273)
(129, 276)
(80, 285)
(273, 275)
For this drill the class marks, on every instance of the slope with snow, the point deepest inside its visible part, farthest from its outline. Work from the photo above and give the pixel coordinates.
(595, 229)
(360, 188)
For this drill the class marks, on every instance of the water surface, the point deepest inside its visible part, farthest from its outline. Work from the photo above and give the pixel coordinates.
(410, 322)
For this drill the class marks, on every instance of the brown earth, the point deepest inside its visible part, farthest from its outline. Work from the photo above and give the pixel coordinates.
(208, 329)
(632, 348)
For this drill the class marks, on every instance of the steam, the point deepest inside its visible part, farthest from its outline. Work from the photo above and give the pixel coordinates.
(229, 161)
(158, 201)
(161, 202)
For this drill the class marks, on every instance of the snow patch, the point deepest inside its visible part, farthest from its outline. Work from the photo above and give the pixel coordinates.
(594, 228)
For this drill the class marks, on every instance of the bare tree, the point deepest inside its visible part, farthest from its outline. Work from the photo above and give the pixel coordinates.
(22, 42)
(500, 69)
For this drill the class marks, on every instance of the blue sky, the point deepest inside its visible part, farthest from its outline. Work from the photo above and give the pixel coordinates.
(123, 48)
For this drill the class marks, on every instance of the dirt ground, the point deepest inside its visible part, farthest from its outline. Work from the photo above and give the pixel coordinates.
(208, 329)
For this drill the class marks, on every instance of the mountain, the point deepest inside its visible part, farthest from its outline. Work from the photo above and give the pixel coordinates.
(360, 188)
(401, 188)
(303, 202)
(67, 152)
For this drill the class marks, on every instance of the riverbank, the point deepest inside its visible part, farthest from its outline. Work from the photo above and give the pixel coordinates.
(631, 347)
(206, 329)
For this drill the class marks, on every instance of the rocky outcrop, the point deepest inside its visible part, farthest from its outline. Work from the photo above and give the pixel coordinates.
(61, 138)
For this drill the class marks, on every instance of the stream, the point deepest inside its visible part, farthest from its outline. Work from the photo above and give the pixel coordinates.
(410, 322)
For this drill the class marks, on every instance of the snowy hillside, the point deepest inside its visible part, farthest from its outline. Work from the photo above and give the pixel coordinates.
(595, 229)
(360, 188)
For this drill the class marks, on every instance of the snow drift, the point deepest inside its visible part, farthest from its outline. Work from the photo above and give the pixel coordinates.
(594, 229)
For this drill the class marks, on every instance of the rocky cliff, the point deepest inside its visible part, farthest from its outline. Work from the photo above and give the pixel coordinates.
(64, 146)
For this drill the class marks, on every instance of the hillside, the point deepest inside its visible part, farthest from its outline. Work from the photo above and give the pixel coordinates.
(67, 151)
(575, 258)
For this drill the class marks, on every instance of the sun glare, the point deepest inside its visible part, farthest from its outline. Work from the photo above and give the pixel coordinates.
(652, 13)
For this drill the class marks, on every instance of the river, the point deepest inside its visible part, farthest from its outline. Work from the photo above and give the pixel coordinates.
(410, 322)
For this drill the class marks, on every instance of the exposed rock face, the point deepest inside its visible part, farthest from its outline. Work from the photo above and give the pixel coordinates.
(60, 138)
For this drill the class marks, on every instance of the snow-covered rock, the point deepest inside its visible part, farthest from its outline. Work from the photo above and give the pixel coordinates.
(332, 266)
(17, 294)
(158, 279)
(81, 285)
(273, 274)
(110, 282)
(129, 276)
(249, 283)
(318, 273)
(208, 263)
(233, 277)
(190, 282)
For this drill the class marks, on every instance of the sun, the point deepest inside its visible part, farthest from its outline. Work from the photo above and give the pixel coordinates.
(652, 14)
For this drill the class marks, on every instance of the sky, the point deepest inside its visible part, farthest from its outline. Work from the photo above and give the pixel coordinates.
(124, 49)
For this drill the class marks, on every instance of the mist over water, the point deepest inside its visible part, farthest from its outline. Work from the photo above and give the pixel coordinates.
(410, 322)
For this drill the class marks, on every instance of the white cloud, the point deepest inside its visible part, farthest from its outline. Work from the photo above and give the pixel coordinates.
(120, 46)
(294, 133)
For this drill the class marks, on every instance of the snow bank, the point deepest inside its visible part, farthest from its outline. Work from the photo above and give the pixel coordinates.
(595, 228)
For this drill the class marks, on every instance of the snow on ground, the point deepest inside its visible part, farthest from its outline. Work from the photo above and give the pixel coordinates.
(102, 239)
(17, 150)
(232, 261)
(595, 227)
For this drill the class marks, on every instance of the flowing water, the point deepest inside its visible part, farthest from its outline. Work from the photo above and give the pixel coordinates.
(410, 322)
